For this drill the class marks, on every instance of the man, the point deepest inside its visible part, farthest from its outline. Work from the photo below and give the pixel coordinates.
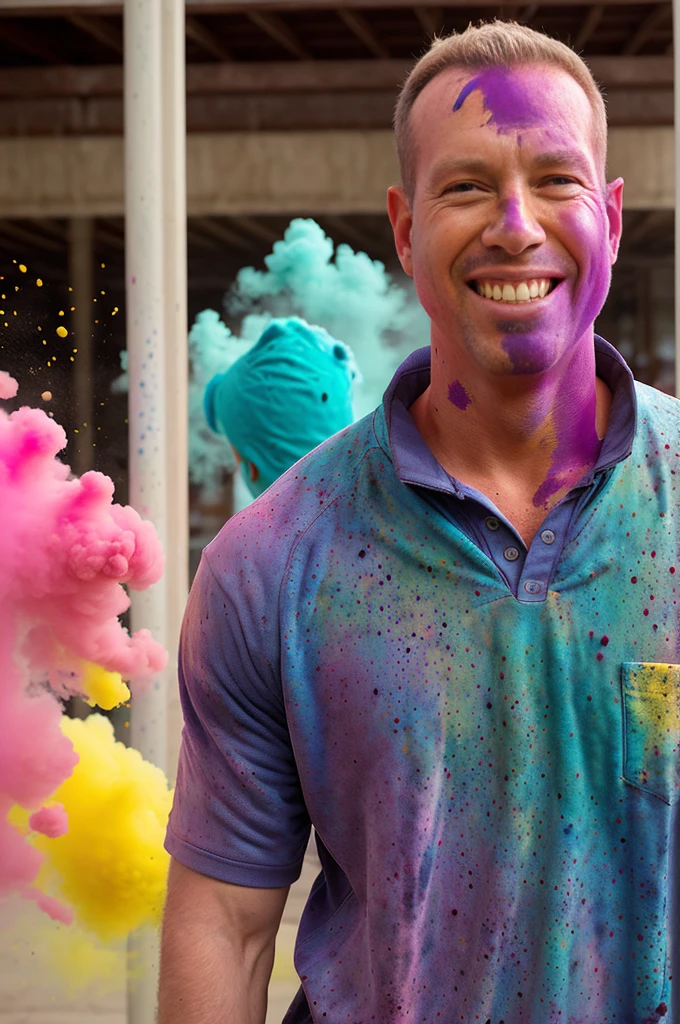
(282, 398)
(449, 638)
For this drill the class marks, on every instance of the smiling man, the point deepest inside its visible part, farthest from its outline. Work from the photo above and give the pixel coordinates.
(448, 638)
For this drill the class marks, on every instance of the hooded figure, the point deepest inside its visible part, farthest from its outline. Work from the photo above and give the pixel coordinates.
(288, 393)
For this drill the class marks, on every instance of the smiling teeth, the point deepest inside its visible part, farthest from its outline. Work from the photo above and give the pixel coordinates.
(523, 291)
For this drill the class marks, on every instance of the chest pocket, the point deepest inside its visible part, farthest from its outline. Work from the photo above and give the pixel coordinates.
(651, 733)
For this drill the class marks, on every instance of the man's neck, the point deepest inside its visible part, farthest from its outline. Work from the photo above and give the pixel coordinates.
(522, 440)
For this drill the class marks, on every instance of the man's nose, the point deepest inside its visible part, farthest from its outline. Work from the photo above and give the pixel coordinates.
(514, 227)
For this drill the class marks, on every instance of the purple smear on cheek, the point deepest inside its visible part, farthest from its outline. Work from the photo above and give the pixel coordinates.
(458, 395)
(511, 104)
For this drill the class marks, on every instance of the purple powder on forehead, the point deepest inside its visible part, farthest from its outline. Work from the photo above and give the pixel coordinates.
(508, 97)
(458, 395)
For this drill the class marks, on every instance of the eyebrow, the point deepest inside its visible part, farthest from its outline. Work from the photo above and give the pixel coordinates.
(558, 157)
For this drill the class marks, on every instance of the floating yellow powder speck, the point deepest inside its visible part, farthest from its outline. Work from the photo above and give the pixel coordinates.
(106, 689)
(62, 332)
(110, 866)
(39, 282)
(47, 397)
(61, 312)
(115, 310)
(22, 268)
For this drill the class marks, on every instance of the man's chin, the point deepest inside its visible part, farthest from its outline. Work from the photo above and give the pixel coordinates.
(529, 353)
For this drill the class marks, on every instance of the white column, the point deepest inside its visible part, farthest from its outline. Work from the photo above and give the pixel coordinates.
(177, 360)
(676, 89)
(155, 212)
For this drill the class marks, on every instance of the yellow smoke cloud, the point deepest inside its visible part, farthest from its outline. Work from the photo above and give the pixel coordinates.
(104, 689)
(110, 867)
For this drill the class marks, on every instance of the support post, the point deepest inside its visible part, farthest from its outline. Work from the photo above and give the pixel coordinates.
(155, 214)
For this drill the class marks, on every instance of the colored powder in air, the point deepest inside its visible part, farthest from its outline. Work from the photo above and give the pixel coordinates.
(8, 386)
(66, 550)
(352, 296)
(110, 866)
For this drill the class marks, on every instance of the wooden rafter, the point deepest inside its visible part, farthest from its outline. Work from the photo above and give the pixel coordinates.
(646, 29)
(527, 15)
(357, 23)
(20, 7)
(275, 27)
(28, 42)
(646, 226)
(253, 227)
(588, 26)
(431, 19)
(200, 35)
(18, 233)
(106, 34)
(219, 232)
(262, 77)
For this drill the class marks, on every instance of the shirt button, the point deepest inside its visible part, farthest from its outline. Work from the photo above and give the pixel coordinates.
(548, 537)
(533, 586)
(492, 523)
(512, 554)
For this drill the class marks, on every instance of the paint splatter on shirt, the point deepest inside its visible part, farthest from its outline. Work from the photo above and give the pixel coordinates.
(492, 784)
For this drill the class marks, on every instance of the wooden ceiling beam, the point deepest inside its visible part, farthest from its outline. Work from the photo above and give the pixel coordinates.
(22, 235)
(588, 26)
(106, 34)
(646, 29)
(20, 8)
(200, 35)
(253, 227)
(357, 23)
(28, 42)
(431, 19)
(219, 232)
(291, 77)
(646, 226)
(320, 111)
(275, 27)
(527, 15)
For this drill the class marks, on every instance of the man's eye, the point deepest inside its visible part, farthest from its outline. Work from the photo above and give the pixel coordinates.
(560, 179)
(461, 186)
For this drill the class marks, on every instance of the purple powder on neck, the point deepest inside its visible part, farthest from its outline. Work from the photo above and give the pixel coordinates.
(458, 395)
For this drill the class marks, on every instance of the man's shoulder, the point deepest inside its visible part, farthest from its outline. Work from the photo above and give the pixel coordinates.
(656, 410)
(266, 531)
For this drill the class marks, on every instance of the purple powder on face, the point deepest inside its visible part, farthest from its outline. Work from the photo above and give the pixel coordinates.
(510, 102)
(458, 395)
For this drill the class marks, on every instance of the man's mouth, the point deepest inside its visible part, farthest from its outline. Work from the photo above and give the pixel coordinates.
(531, 290)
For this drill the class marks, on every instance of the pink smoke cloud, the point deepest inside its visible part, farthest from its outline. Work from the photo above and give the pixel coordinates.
(65, 551)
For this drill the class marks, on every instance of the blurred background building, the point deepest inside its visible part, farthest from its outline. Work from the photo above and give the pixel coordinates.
(289, 104)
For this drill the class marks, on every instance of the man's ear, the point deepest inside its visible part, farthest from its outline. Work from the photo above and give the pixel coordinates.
(399, 212)
(614, 201)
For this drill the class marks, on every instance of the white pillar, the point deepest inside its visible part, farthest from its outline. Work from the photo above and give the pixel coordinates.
(155, 213)
(177, 358)
(676, 90)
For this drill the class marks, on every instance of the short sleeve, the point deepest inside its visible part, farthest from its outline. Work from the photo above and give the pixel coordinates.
(238, 813)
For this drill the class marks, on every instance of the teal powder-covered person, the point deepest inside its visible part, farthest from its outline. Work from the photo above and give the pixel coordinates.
(290, 392)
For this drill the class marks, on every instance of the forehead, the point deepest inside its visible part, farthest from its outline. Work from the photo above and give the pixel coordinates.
(543, 105)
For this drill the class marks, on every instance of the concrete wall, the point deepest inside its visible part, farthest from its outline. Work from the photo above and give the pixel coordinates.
(272, 172)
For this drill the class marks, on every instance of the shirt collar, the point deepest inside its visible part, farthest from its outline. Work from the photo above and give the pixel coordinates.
(415, 463)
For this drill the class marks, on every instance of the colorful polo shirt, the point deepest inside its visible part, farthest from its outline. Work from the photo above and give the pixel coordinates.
(491, 769)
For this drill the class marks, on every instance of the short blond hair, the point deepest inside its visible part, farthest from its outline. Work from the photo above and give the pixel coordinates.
(494, 44)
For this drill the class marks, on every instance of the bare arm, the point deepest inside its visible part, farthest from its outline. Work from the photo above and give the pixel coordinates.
(217, 950)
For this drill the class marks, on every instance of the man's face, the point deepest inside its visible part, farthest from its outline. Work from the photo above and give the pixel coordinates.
(511, 234)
